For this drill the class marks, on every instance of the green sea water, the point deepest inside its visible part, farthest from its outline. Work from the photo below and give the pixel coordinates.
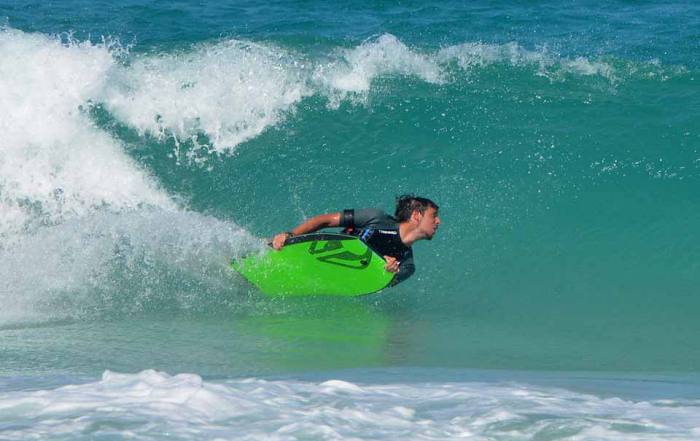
(144, 145)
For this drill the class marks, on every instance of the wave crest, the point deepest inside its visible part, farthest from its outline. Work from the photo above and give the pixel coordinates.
(54, 163)
(231, 91)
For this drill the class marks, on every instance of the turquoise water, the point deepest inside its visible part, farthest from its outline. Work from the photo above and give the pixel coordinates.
(145, 144)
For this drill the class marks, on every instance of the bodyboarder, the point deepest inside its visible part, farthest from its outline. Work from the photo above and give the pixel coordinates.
(415, 218)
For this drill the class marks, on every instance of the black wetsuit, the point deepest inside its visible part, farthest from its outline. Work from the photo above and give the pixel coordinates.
(381, 232)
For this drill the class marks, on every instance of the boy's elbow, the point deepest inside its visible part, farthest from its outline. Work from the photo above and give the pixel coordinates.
(404, 273)
(327, 220)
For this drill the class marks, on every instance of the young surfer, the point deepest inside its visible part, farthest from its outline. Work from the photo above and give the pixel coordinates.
(415, 219)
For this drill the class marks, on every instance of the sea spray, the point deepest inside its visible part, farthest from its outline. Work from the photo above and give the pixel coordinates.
(55, 163)
(123, 264)
(229, 91)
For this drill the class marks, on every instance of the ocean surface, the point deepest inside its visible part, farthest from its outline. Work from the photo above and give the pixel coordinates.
(143, 144)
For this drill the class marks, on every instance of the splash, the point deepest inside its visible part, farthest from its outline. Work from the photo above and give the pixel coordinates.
(473, 56)
(84, 229)
(212, 97)
(230, 91)
(352, 73)
(54, 164)
(122, 264)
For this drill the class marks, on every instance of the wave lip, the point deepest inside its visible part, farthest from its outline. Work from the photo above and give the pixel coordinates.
(216, 95)
(470, 56)
(150, 403)
(231, 91)
(355, 69)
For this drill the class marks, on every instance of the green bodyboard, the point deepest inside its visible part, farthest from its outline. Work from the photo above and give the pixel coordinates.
(317, 264)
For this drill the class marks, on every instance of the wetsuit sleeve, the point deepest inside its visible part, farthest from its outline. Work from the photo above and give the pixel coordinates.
(367, 217)
(406, 269)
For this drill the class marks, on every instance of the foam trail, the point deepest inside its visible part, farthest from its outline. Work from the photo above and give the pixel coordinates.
(54, 164)
(148, 404)
(116, 264)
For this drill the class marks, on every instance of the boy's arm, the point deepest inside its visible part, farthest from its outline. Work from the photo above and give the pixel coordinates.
(308, 226)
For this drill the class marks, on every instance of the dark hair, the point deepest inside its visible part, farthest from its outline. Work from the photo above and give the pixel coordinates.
(406, 204)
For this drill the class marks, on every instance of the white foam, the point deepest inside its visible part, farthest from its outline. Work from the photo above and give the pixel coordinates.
(470, 56)
(120, 264)
(340, 386)
(231, 91)
(353, 71)
(54, 164)
(154, 405)
(584, 66)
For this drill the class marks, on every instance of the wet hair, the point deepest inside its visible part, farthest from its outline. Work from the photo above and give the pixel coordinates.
(406, 204)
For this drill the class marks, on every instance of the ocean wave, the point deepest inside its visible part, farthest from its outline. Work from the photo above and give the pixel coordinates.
(214, 96)
(62, 173)
(155, 405)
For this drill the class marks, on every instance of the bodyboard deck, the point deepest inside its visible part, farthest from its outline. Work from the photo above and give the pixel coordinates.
(316, 264)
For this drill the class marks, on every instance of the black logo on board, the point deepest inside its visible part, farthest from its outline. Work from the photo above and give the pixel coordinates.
(333, 252)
